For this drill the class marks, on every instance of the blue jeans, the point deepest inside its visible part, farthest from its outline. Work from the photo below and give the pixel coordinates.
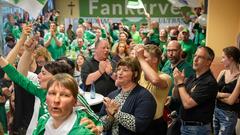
(196, 130)
(224, 122)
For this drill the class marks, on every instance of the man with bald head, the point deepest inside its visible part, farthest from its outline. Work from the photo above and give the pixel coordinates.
(78, 41)
(174, 52)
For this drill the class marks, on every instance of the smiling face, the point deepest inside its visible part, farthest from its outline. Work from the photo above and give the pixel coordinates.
(80, 60)
(60, 101)
(226, 61)
(124, 76)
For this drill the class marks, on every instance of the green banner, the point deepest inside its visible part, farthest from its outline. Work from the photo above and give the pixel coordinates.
(42, 1)
(117, 8)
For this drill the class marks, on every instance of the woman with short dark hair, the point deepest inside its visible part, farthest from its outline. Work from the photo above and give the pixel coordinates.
(131, 108)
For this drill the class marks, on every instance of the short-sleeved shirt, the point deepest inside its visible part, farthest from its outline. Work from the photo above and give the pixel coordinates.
(203, 90)
(136, 37)
(53, 48)
(105, 84)
(160, 95)
(168, 69)
(189, 48)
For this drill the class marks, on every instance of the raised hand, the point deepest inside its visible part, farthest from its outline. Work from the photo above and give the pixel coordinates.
(112, 107)
(108, 68)
(179, 76)
(30, 44)
(139, 52)
(102, 66)
(27, 29)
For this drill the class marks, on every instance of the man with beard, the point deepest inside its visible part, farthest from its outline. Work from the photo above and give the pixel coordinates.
(174, 52)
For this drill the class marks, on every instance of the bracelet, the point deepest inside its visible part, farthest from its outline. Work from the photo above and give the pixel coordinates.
(180, 85)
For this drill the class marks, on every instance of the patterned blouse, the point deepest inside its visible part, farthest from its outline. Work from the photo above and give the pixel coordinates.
(125, 119)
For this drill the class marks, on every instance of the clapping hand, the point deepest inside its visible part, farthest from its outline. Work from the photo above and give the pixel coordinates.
(179, 76)
(112, 107)
(108, 68)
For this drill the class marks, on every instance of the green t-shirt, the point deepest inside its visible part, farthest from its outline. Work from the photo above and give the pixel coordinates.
(56, 51)
(189, 48)
(188, 70)
(155, 37)
(136, 37)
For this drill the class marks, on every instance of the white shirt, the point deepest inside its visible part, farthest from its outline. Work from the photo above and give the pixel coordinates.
(63, 129)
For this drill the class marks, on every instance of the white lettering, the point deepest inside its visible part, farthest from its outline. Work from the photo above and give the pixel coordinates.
(152, 6)
(175, 10)
(105, 9)
(91, 7)
(115, 11)
(163, 9)
(127, 9)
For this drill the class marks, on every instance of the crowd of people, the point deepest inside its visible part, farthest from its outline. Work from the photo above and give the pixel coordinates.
(154, 80)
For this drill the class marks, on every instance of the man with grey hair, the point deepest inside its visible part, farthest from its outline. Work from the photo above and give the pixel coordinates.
(197, 94)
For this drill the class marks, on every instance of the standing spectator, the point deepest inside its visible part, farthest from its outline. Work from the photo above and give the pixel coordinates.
(80, 43)
(153, 34)
(229, 83)
(10, 43)
(99, 70)
(71, 35)
(61, 98)
(156, 82)
(130, 109)
(136, 39)
(11, 27)
(120, 52)
(78, 67)
(187, 45)
(163, 40)
(197, 94)
(53, 41)
(175, 60)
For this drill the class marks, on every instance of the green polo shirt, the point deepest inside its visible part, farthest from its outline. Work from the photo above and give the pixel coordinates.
(56, 51)
(168, 69)
(189, 48)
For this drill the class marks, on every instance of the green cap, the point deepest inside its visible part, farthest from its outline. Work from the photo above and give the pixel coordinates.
(185, 30)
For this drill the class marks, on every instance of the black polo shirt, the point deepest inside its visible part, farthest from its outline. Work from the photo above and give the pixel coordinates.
(203, 91)
(103, 85)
